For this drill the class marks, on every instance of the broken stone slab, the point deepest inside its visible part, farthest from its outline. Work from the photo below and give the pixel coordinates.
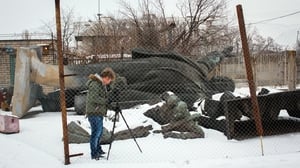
(79, 134)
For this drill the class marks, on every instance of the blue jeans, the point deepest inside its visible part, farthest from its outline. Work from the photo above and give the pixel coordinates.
(96, 123)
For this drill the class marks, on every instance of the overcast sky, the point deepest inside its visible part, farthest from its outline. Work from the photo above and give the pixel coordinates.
(19, 15)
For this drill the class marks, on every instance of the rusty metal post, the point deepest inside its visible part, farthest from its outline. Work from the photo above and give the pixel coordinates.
(252, 87)
(62, 83)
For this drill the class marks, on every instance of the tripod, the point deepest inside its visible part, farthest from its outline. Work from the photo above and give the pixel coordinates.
(119, 111)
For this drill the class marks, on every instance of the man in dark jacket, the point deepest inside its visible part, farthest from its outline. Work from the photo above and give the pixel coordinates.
(96, 107)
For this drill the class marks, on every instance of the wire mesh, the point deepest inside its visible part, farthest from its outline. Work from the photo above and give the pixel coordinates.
(168, 93)
(187, 99)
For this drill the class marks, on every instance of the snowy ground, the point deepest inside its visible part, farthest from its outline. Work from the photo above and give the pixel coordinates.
(39, 144)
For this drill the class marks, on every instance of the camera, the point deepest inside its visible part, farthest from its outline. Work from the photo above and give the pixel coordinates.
(114, 95)
(113, 99)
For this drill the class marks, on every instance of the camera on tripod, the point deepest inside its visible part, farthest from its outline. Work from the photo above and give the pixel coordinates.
(114, 99)
(113, 103)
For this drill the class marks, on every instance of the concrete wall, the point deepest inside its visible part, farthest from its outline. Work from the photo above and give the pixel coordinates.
(268, 69)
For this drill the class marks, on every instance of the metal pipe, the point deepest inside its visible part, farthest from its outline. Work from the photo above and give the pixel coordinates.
(252, 87)
(62, 83)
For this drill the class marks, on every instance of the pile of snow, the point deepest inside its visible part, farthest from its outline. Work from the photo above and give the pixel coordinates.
(39, 144)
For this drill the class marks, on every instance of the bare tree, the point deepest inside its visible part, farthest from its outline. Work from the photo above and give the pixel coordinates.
(183, 34)
(200, 18)
(144, 29)
(259, 44)
(68, 29)
(105, 36)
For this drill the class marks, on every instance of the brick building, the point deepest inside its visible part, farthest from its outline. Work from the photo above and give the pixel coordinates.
(8, 51)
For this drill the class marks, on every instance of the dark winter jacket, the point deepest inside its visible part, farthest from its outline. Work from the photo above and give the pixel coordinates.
(96, 96)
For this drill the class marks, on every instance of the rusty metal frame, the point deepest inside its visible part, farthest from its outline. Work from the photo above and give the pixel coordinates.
(62, 85)
(251, 83)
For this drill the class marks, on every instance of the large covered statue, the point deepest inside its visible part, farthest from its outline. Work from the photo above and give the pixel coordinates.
(142, 78)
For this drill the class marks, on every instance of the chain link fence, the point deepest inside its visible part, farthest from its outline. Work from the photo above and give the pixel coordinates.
(161, 91)
(179, 86)
(164, 94)
(170, 95)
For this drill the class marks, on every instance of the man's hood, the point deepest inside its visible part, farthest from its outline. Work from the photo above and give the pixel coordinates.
(94, 77)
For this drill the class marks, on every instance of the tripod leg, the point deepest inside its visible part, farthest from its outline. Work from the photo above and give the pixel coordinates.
(131, 132)
(112, 134)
